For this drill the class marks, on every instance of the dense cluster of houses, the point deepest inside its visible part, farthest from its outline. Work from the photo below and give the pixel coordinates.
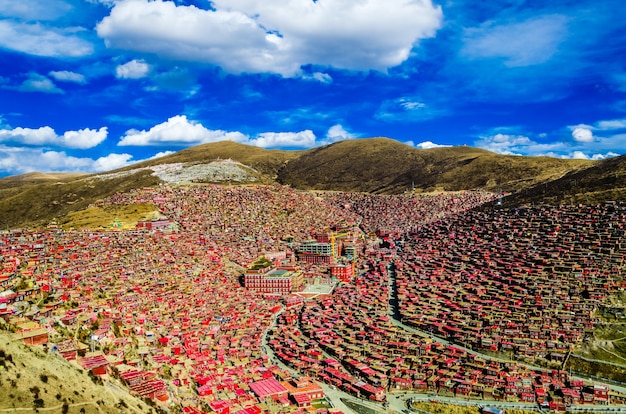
(348, 340)
(162, 306)
(527, 281)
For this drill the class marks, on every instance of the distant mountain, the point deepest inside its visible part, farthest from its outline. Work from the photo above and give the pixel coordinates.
(377, 165)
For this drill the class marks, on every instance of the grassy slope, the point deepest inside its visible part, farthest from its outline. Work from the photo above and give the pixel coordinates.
(96, 217)
(38, 204)
(382, 165)
(603, 181)
(30, 378)
(267, 162)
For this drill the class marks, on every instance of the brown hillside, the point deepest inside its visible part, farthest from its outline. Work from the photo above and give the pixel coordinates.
(267, 162)
(32, 380)
(382, 165)
(37, 205)
(36, 178)
(604, 181)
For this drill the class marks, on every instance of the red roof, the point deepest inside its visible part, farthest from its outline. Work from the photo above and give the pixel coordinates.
(267, 387)
(93, 361)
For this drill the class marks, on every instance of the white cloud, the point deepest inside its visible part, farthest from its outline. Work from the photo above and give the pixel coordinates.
(135, 69)
(110, 162)
(609, 154)
(39, 83)
(530, 42)
(108, 3)
(36, 39)
(611, 124)
(579, 155)
(584, 144)
(411, 106)
(277, 37)
(319, 77)
(302, 139)
(84, 138)
(581, 134)
(81, 139)
(32, 10)
(14, 160)
(429, 145)
(505, 144)
(178, 130)
(67, 76)
(336, 133)
(406, 109)
(161, 154)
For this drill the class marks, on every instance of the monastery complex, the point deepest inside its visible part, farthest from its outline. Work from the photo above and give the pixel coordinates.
(247, 299)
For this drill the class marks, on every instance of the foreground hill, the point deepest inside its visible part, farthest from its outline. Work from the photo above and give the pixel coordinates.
(32, 380)
(377, 165)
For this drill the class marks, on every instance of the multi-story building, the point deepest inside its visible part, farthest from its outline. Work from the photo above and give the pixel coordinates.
(263, 277)
(342, 272)
(316, 248)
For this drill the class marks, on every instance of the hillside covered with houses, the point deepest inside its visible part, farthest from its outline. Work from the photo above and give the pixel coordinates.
(259, 299)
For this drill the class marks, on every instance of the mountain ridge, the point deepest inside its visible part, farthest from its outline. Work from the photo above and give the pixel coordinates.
(376, 165)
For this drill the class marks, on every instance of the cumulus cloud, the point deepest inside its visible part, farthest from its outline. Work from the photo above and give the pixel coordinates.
(276, 37)
(39, 83)
(19, 160)
(337, 133)
(135, 69)
(609, 154)
(178, 130)
(81, 139)
(67, 76)
(161, 154)
(429, 145)
(302, 139)
(530, 42)
(36, 39)
(505, 144)
(582, 145)
(581, 134)
(581, 155)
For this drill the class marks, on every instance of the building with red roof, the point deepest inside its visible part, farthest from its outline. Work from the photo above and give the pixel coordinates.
(269, 387)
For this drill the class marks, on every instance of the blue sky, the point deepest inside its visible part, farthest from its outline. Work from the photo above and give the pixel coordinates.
(92, 85)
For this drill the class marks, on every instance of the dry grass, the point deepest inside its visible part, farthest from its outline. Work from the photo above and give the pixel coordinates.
(267, 162)
(602, 181)
(126, 216)
(381, 165)
(36, 205)
(34, 381)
